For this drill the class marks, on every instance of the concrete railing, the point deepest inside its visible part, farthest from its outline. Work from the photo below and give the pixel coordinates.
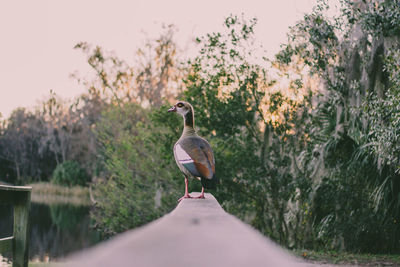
(197, 233)
(20, 198)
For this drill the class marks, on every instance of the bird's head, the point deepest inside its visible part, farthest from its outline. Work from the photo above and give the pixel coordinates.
(182, 108)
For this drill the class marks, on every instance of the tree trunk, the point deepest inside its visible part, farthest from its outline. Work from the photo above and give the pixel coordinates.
(17, 170)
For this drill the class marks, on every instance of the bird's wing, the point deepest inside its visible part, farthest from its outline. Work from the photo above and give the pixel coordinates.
(196, 155)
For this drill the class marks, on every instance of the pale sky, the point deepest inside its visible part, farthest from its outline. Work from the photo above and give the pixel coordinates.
(37, 37)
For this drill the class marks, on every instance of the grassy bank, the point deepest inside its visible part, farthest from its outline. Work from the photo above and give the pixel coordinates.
(45, 264)
(49, 193)
(343, 258)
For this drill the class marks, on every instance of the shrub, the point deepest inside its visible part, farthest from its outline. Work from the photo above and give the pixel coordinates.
(70, 173)
(137, 174)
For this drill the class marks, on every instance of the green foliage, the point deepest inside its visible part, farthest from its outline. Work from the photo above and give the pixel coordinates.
(381, 18)
(139, 185)
(384, 115)
(138, 177)
(352, 156)
(70, 173)
(233, 101)
(313, 165)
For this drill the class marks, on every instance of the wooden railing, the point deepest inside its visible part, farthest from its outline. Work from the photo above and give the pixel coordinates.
(197, 233)
(20, 198)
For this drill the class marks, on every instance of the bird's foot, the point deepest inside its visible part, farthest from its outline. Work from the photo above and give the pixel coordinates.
(199, 196)
(185, 196)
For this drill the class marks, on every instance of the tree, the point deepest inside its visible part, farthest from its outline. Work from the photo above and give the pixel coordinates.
(139, 186)
(355, 192)
(24, 149)
(251, 126)
(155, 76)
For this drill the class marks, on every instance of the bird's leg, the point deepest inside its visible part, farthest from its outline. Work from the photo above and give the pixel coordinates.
(186, 190)
(201, 194)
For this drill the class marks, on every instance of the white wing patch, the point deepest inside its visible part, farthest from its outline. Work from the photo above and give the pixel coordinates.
(182, 156)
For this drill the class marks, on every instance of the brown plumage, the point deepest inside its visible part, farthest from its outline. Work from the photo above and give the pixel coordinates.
(193, 154)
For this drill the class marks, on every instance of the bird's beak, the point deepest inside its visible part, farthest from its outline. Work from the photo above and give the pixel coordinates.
(173, 109)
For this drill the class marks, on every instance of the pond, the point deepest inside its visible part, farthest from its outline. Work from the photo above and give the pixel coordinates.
(57, 230)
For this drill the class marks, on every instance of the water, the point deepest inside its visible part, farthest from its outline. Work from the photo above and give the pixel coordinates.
(57, 230)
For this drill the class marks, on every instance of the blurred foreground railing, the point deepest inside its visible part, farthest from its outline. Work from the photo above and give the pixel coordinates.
(197, 233)
(20, 198)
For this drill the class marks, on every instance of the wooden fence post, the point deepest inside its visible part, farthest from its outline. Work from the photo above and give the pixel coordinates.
(20, 198)
(21, 233)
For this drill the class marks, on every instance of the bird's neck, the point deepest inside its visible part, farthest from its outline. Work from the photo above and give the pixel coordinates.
(188, 128)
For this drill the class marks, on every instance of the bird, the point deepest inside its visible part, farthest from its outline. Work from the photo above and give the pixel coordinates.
(193, 154)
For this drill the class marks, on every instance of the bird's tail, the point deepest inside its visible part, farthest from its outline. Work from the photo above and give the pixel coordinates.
(209, 183)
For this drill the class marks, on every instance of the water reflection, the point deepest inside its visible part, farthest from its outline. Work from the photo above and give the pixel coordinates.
(56, 230)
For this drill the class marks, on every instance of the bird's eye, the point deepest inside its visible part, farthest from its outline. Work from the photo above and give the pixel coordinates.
(179, 105)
